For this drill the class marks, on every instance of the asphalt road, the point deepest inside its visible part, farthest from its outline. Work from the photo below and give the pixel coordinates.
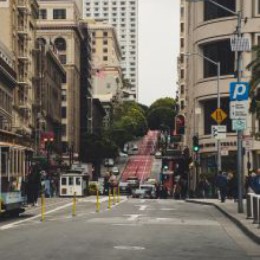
(134, 229)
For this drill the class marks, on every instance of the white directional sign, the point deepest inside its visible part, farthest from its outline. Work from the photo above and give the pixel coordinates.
(240, 44)
(238, 109)
(219, 131)
(238, 124)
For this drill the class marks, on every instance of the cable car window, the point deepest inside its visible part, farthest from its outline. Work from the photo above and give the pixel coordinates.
(77, 181)
(70, 180)
(64, 181)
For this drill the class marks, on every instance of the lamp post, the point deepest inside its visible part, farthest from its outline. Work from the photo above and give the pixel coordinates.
(239, 132)
(217, 64)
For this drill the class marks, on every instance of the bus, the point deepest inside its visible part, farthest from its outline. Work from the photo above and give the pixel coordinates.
(13, 167)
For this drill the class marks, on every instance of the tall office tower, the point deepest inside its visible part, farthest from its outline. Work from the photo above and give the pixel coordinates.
(206, 30)
(123, 14)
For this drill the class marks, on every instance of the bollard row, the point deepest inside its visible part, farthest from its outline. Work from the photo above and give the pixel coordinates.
(113, 194)
(253, 207)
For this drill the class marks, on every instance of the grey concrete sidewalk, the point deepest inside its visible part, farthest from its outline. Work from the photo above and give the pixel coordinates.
(229, 209)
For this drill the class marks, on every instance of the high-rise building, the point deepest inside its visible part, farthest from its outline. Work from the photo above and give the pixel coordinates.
(59, 24)
(123, 15)
(206, 30)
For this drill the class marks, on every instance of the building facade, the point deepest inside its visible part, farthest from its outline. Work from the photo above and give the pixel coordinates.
(58, 24)
(123, 15)
(205, 32)
(49, 75)
(107, 77)
(18, 35)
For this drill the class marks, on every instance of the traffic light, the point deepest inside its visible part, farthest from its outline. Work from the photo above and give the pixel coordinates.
(195, 145)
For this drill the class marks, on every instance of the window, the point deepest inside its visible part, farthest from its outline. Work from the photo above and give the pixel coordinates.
(105, 50)
(78, 183)
(105, 34)
(43, 14)
(182, 89)
(209, 108)
(63, 181)
(63, 58)
(182, 74)
(59, 13)
(212, 11)
(108, 85)
(182, 42)
(105, 42)
(105, 58)
(64, 112)
(220, 52)
(60, 44)
(71, 182)
(182, 27)
(63, 129)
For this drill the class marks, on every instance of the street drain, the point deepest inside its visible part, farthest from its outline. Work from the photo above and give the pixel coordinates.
(129, 248)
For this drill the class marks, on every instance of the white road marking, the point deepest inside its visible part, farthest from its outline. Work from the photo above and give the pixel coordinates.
(8, 226)
(133, 217)
(129, 247)
(142, 207)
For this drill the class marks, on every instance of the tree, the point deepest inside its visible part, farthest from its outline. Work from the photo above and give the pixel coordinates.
(254, 65)
(161, 114)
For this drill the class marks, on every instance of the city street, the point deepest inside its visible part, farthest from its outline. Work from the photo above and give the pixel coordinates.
(133, 229)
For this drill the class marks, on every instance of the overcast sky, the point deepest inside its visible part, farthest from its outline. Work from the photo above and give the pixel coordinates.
(158, 49)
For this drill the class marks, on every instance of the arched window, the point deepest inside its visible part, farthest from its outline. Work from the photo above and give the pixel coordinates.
(60, 44)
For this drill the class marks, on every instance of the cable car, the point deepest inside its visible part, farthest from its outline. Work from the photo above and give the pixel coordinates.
(73, 182)
(13, 166)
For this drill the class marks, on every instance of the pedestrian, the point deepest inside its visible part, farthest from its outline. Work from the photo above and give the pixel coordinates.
(221, 182)
(35, 182)
(256, 182)
(249, 181)
(232, 186)
(203, 187)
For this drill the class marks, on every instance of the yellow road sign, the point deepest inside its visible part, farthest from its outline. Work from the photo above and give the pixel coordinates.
(219, 115)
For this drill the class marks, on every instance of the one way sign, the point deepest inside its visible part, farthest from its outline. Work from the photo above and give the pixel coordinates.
(219, 131)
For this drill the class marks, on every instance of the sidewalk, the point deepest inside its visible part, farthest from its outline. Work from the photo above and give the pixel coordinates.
(229, 209)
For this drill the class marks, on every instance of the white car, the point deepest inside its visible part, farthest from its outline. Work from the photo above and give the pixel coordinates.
(123, 155)
(115, 170)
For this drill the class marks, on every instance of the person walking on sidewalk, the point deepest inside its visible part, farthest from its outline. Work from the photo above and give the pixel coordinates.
(222, 182)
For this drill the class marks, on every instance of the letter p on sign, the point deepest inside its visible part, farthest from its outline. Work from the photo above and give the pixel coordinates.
(238, 91)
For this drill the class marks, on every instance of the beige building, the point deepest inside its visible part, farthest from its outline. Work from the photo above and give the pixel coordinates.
(58, 24)
(107, 77)
(206, 30)
(18, 34)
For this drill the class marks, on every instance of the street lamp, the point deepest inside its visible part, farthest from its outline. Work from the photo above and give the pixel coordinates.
(217, 64)
(239, 132)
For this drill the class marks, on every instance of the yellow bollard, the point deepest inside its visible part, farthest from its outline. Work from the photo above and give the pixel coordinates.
(42, 208)
(109, 198)
(74, 203)
(98, 204)
(114, 195)
(118, 194)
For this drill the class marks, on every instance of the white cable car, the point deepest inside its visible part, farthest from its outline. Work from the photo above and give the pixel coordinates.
(73, 182)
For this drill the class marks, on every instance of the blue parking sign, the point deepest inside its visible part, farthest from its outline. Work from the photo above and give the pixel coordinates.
(239, 91)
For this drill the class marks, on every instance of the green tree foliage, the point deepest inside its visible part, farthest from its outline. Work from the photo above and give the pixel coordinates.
(254, 66)
(161, 114)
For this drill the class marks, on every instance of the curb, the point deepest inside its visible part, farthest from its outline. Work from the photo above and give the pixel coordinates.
(245, 230)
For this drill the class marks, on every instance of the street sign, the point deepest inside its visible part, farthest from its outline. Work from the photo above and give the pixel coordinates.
(219, 115)
(238, 125)
(238, 91)
(219, 131)
(248, 142)
(238, 109)
(240, 44)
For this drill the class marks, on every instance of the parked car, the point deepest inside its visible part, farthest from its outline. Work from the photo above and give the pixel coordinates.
(139, 193)
(150, 190)
(124, 188)
(158, 155)
(123, 155)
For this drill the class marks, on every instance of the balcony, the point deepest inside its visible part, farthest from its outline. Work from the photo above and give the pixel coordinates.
(23, 56)
(23, 104)
(22, 30)
(22, 80)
